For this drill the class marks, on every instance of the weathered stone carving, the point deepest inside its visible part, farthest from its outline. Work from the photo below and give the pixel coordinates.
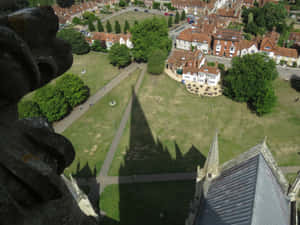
(32, 156)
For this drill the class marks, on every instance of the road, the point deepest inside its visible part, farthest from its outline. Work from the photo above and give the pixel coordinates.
(284, 72)
(78, 111)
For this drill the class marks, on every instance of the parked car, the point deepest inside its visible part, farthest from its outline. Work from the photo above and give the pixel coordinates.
(166, 14)
(136, 10)
(146, 10)
(171, 14)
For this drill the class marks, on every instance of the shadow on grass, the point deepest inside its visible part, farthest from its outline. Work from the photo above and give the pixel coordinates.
(159, 203)
(295, 82)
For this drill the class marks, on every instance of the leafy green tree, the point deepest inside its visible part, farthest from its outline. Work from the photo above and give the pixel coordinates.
(73, 89)
(108, 27)
(89, 16)
(52, 103)
(250, 80)
(99, 46)
(122, 3)
(126, 27)
(156, 61)
(29, 109)
(76, 40)
(91, 26)
(148, 35)
(295, 82)
(100, 26)
(274, 14)
(119, 55)
(183, 15)
(177, 18)
(76, 21)
(156, 5)
(136, 22)
(65, 3)
(117, 27)
(170, 21)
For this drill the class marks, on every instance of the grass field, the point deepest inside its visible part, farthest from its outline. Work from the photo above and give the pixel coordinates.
(129, 204)
(92, 134)
(98, 70)
(171, 130)
(130, 17)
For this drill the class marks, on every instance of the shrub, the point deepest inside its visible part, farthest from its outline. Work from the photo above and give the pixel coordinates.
(282, 62)
(73, 89)
(76, 21)
(99, 46)
(29, 109)
(52, 103)
(211, 64)
(221, 66)
(119, 55)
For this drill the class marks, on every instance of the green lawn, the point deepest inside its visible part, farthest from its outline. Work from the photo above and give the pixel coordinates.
(171, 130)
(130, 204)
(98, 70)
(93, 133)
(130, 17)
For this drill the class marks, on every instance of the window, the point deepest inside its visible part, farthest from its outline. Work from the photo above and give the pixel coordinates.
(267, 48)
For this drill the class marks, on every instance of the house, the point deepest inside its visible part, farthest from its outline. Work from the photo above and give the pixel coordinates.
(226, 43)
(249, 189)
(248, 47)
(286, 55)
(191, 67)
(110, 39)
(295, 38)
(194, 37)
(268, 46)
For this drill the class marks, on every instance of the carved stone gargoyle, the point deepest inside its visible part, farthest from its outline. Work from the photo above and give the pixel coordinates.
(32, 156)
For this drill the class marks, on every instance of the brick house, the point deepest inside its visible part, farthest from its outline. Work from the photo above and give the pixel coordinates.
(226, 43)
(192, 67)
(194, 37)
(248, 47)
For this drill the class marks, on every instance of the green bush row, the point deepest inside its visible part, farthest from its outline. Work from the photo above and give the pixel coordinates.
(55, 101)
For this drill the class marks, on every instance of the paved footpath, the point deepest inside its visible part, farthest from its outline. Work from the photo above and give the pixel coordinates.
(78, 111)
(119, 134)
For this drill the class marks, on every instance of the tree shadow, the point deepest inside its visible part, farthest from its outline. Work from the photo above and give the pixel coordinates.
(295, 82)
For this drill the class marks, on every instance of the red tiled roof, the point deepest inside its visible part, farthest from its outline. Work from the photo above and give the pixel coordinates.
(287, 52)
(101, 36)
(194, 35)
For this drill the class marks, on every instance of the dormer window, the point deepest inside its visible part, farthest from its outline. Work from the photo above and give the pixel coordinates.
(233, 37)
(267, 48)
(219, 36)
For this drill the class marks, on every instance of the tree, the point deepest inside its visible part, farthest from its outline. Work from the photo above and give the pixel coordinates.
(76, 40)
(99, 46)
(295, 82)
(156, 61)
(250, 80)
(117, 27)
(156, 5)
(100, 26)
(136, 22)
(177, 18)
(148, 35)
(65, 3)
(52, 103)
(29, 109)
(76, 21)
(274, 14)
(91, 25)
(183, 15)
(170, 21)
(126, 27)
(122, 3)
(108, 27)
(73, 89)
(119, 55)
(89, 16)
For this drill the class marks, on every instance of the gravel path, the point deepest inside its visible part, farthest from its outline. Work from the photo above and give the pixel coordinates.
(119, 134)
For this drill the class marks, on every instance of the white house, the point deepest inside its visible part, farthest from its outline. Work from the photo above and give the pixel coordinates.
(248, 47)
(110, 39)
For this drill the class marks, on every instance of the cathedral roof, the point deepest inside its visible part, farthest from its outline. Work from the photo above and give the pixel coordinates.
(247, 193)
